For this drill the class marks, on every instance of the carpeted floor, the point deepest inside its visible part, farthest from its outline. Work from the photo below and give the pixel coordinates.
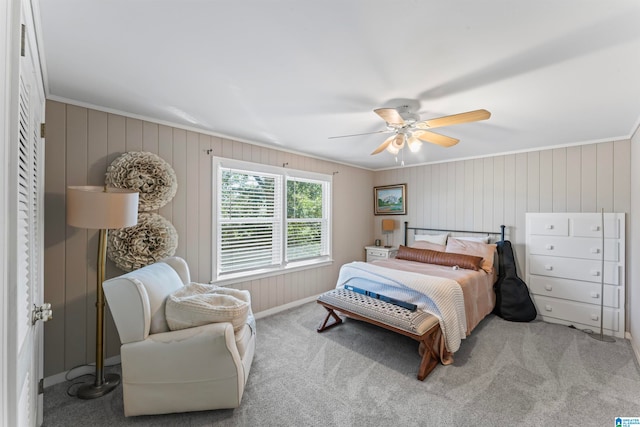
(505, 373)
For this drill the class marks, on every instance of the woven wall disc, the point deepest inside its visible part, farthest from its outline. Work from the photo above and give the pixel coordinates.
(152, 239)
(146, 173)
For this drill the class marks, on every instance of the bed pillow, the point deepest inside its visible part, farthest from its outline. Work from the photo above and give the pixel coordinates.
(449, 259)
(438, 239)
(484, 239)
(423, 244)
(468, 247)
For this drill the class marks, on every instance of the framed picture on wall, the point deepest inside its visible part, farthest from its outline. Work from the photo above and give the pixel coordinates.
(390, 200)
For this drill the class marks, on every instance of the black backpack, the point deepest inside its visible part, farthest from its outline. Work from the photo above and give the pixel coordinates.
(513, 301)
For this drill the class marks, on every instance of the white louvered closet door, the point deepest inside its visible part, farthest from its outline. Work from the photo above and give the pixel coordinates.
(27, 201)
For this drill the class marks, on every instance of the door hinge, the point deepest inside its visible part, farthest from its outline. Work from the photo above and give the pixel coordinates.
(43, 128)
(41, 386)
(23, 42)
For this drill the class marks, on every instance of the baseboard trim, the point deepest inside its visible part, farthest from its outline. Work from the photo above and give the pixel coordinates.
(78, 371)
(284, 307)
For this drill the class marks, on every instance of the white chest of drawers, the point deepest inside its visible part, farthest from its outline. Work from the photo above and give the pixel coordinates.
(564, 269)
(380, 252)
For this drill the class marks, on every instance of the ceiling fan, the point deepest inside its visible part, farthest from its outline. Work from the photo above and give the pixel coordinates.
(407, 128)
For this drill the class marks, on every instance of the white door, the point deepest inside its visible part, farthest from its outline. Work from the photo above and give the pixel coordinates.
(25, 234)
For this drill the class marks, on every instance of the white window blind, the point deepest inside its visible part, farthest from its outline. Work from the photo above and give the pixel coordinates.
(249, 220)
(268, 219)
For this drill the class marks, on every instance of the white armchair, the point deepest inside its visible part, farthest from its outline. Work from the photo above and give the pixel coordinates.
(163, 371)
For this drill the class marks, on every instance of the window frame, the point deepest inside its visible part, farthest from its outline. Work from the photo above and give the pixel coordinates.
(220, 164)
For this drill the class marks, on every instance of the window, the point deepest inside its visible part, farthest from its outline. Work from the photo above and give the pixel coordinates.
(268, 219)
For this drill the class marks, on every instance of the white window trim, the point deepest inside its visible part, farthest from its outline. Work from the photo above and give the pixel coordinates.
(230, 278)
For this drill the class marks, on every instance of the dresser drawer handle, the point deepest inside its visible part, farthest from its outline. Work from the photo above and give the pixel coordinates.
(595, 295)
(595, 250)
(549, 247)
(548, 267)
(595, 273)
(548, 288)
(594, 317)
(549, 227)
(548, 307)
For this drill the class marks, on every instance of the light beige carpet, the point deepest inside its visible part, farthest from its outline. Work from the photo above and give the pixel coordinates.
(516, 374)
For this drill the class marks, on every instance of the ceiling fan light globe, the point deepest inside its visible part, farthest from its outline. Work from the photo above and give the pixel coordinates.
(393, 149)
(414, 144)
(398, 141)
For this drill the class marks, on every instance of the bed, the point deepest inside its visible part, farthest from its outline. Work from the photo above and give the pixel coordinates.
(448, 274)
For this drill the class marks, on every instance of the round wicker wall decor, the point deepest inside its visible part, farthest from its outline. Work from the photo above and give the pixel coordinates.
(152, 239)
(148, 174)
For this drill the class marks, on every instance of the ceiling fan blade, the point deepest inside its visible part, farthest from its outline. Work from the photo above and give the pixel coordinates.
(435, 138)
(470, 116)
(384, 145)
(360, 134)
(390, 115)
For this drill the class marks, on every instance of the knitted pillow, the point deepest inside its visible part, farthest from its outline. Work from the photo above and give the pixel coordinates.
(197, 304)
(450, 259)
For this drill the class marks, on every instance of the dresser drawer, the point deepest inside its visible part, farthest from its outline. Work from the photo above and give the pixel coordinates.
(576, 312)
(587, 248)
(590, 225)
(548, 225)
(586, 292)
(573, 268)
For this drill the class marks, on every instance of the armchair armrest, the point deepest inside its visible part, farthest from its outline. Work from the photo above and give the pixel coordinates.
(188, 355)
(185, 370)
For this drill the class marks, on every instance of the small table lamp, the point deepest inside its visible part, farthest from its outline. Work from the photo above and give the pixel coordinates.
(388, 225)
(101, 208)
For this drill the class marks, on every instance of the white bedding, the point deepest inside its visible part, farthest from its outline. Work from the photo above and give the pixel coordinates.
(441, 297)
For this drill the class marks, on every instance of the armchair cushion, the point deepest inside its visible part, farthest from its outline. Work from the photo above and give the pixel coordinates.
(198, 304)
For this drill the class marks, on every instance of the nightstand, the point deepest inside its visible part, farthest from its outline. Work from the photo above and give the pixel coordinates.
(380, 252)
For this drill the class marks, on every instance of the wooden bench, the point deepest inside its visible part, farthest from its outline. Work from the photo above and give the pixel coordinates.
(417, 325)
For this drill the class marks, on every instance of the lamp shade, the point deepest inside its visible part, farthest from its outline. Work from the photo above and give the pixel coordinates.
(101, 207)
(388, 225)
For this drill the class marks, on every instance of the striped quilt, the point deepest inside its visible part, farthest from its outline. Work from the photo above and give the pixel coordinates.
(438, 296)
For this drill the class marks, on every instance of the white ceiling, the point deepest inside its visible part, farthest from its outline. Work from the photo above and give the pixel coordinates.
(292, 73)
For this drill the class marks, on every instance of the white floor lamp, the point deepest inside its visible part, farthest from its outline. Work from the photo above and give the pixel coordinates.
(103, 209)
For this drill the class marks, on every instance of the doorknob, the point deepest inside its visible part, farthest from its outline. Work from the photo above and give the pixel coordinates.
(43, 312)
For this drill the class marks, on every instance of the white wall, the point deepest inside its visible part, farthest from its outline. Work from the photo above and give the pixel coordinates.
(633, 275)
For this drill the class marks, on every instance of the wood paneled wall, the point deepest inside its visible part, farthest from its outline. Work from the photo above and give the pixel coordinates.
(482, 194)
(477, 194)
(82, 142)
